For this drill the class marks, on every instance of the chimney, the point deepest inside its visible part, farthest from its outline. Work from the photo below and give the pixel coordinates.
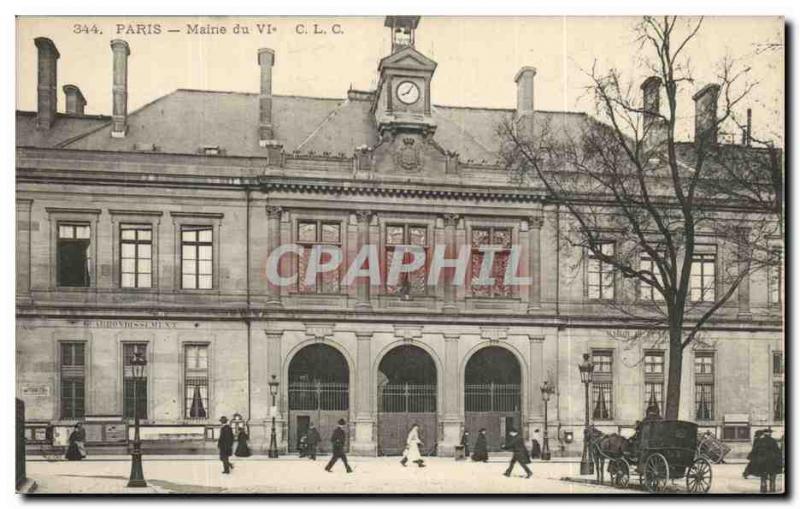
(654, 129)
(46, 94)
(119, 115)
(523, 117)
(705, 114)
(266, 59)
(75, 100)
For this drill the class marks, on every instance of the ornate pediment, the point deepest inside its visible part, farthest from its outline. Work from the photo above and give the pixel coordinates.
(407, 59)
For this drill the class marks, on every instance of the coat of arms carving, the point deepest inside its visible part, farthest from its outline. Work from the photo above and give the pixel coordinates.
(409, 156)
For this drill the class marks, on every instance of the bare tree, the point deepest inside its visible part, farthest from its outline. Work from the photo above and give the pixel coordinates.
(638, 201)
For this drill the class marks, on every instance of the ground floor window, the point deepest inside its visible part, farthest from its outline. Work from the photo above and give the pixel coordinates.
(704, 401)
(777, 401)
(602, 402)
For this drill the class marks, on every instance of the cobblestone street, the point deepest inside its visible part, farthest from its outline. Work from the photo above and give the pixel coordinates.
(203, 475)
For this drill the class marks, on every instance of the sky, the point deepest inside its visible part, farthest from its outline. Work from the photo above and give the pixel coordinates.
(477, 58)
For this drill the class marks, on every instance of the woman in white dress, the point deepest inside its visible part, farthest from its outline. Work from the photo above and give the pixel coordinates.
(411, 453)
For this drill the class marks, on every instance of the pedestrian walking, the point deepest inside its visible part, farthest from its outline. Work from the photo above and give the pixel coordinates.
(302, 445)
(242, 449)
(765, 460)
(338, 439)
(536, 449)
(465, 443)
(77, 443)
(519, 454)
(748, 469)
(481, 452)
(312, 442)
(411, 452)
(225, 445)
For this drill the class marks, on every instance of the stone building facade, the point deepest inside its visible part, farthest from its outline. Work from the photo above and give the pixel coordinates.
(150, 231)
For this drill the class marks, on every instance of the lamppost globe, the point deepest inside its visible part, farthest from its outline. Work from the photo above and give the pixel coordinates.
(546, 390)
(138, 364)
(273, 443)
(586, 369)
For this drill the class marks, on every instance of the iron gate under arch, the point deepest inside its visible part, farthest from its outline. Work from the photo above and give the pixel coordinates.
(321, 403)
(495, 407)
(401, 405)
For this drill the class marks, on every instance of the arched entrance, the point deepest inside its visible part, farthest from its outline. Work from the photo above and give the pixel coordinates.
(318, 393)
(492, 394)
(406, 395)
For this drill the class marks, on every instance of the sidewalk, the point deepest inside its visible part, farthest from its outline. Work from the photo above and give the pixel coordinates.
(180, 474)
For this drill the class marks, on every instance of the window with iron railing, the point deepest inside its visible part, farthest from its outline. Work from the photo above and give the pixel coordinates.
(327, 235)
(415, 237)
(498, 240)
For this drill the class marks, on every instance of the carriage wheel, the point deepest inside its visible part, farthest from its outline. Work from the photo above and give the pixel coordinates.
(698, 476)
(620, 473)
(656, 473)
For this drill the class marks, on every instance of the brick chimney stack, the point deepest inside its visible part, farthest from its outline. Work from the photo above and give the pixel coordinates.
(654, 130)
(46, 94)
(523, 117)
(75, 101)
(119, 115)
(705, 114)
(266, 59)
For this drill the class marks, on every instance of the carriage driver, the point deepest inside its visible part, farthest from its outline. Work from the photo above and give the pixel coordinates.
(651, 414)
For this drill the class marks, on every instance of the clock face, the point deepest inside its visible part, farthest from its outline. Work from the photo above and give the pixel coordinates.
(408, 92)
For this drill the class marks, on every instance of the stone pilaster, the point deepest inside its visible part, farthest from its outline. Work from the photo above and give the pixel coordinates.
(450, 223)
(365, 442)
(273, 241)
(24, 249)
(362, 286)
(536, 377)
(535, 260)
(453, 419)
(743, 292)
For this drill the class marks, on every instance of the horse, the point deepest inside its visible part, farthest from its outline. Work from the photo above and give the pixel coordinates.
(603, 446)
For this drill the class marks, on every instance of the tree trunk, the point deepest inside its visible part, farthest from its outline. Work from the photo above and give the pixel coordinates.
(673, 401)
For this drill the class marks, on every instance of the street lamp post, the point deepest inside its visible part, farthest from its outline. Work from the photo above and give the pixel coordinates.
(273, 443)
(586, 368)
(138, 364)
(547, 391)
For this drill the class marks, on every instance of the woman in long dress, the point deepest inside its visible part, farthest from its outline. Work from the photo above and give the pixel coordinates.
(77, 439)
(411, 452)
(242, 450)
(481, 452)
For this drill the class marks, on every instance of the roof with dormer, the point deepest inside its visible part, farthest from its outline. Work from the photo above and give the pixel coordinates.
(185, 121)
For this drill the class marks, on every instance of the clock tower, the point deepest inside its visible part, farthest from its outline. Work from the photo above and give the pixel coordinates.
(403, 102)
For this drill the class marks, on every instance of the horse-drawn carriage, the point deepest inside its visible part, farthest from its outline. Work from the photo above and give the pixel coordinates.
(662, 452)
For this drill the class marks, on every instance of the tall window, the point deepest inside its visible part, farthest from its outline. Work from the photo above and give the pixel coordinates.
(778, 405)
(500, 241)
(704, 386)
(197, 257)
(407, 235)
(600, 275)
(73, 380)
(654, 380)
(74, 256)
(134, 391)
(136, 244)
(602, 385)
(775, 279)
(196, 381)
(646, 291)
(310, 234)
(703, 275)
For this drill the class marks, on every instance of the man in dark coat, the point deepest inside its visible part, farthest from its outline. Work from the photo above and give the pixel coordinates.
(312, 440)
(225, 445)
(536, 449)
(520, 454)
(481, 453)
(765, 460)
(465, 443)
(338, 439)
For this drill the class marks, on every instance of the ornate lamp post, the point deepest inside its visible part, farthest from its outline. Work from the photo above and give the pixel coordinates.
(586, 368)
(138, 365)
(273, 443)
(547, 391)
